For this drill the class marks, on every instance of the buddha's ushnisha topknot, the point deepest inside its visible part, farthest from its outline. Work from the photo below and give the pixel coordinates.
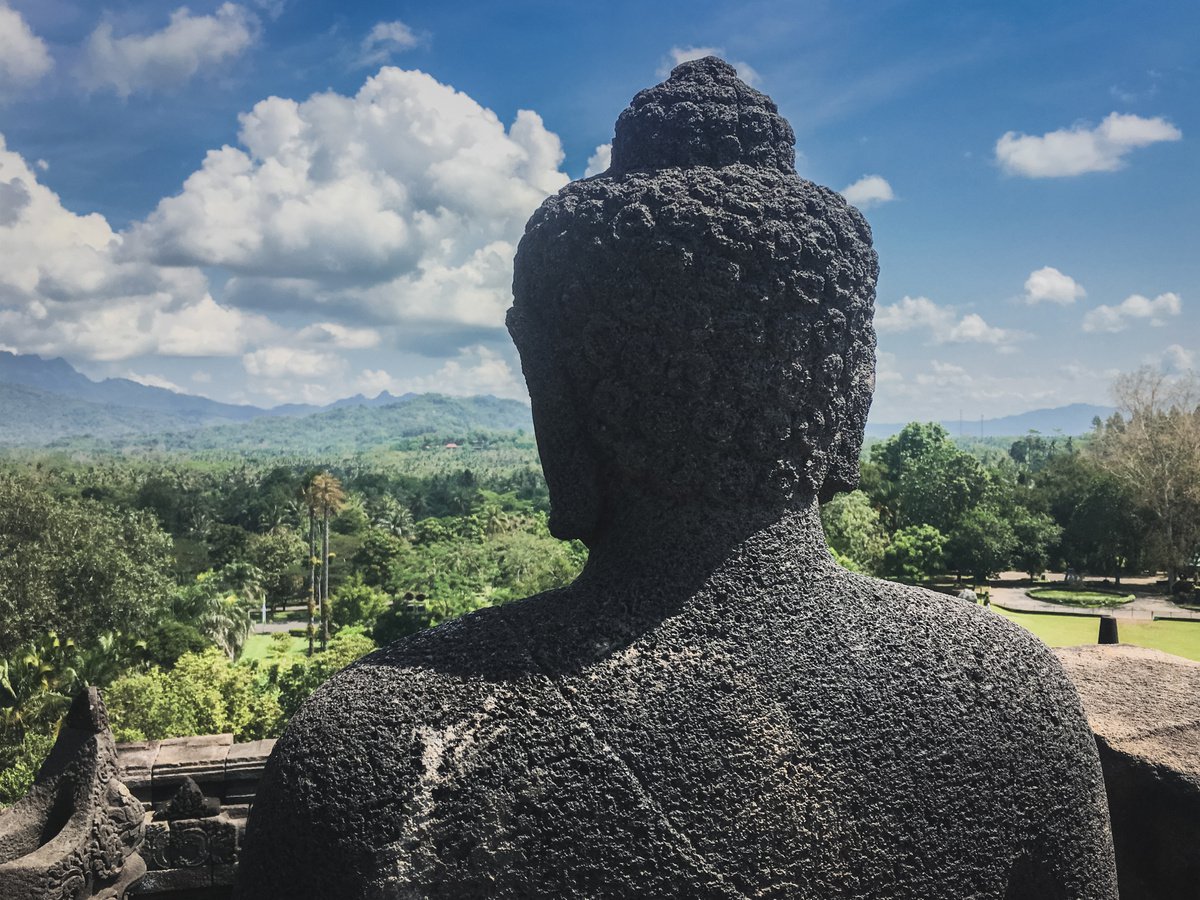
(703, 115)
(699, 314)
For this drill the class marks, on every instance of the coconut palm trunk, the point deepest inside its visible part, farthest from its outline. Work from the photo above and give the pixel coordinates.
(325, 582)
(323, 493)
(312, 577)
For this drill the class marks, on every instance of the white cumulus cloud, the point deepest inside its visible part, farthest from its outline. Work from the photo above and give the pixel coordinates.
(1080, 149)
(152, 380)
(942, 323)
(188, 45)
(382, 222)
(384, 40)
(475, 370)
(290, 362)
(868, 191)
(677, 55)
(23, 55)
(68, 288)
(599, 161)
(946, 390)
(1133, 308)
(972, 329)
(1048, 285)
(343, 337)
(1177, 359)
(401, 204)
(911, 313)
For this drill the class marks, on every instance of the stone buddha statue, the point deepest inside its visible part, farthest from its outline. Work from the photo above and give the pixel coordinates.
(714, 709)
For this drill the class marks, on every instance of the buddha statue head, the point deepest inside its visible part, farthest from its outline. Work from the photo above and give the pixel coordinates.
(694, 324)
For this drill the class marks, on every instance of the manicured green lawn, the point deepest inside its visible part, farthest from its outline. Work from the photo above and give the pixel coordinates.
(258, 647)
(1080, 598)
(1179, 638)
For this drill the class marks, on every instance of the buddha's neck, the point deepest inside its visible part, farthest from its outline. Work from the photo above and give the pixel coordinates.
(656, 545)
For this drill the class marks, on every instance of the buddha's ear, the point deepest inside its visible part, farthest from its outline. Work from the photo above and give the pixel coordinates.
(572, 476)
(569, 461)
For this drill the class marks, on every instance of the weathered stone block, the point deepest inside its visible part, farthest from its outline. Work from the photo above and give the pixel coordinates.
(1143, 707)
(243, 770)
(136, 769)
(200, 757)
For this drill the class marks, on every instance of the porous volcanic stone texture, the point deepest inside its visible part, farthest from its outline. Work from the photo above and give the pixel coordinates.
(714, 709)
(1142, 705)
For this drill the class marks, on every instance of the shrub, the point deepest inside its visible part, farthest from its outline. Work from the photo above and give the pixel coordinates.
(354, 603)
(204, 694)
(914, 553)
(20, 760)
(167, 641)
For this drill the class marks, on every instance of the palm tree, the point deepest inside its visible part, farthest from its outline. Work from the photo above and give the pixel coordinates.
(495, 520)
(36, 684)
(246, 581)
(327, 497)
(391, 515)
(310, 501)
(215, 611)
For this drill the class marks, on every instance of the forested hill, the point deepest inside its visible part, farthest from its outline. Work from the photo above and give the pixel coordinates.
(34, 417)
(336, 432)
(58, 377)
(1075, 419)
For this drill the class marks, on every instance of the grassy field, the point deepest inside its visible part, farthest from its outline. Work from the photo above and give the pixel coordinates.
(258, 646)
(1179, 638)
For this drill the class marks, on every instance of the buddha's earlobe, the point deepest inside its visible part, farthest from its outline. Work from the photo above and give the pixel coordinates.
(575, 499)
(568, 461)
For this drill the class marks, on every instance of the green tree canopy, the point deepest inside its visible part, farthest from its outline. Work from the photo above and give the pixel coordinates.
(204, 694)
(853, 530)
(75, 567)
(983, 544)
(915, 553)
(922, 478)
(280, 556)
(356, 603)
(1037, 536)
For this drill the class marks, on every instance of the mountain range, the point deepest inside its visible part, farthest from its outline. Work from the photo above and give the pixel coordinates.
(44, 401)
(47, 401)
(1074, 419)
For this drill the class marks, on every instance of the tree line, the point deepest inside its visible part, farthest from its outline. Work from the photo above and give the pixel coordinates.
(1122, 500)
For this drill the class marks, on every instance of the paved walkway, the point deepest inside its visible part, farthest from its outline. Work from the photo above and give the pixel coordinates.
(1144, 606)
(300, 621)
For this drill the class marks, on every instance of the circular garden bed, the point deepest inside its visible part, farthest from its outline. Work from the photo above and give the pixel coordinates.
(1088, 598)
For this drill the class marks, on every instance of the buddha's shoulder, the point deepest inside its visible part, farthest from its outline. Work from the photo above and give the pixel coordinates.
(428, 680)
(956, 639)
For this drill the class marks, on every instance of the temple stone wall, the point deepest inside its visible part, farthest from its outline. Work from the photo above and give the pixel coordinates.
(196, 793)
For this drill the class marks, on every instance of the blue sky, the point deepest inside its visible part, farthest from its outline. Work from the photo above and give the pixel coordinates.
(284, 200)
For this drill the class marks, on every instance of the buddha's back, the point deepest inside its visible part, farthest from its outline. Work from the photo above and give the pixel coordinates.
(844, 737)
